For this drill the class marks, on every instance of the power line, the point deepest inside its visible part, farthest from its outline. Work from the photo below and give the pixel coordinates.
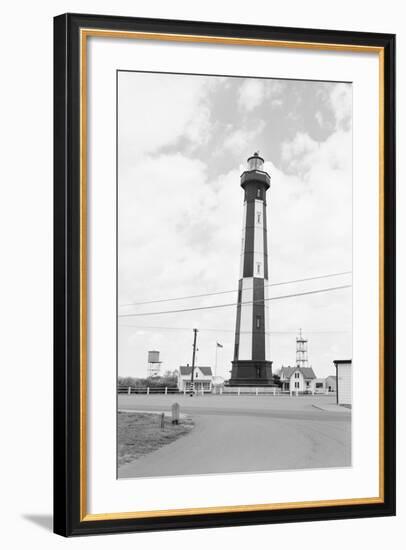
(235, 290)
(319, 291)
(294, 331)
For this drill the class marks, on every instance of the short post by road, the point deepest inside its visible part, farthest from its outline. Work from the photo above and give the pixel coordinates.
(129, 390)
(148, 390)
(162, 421)
(175, 413)
(166, 390)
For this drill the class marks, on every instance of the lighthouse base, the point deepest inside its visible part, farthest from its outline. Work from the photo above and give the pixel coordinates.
(251, 373)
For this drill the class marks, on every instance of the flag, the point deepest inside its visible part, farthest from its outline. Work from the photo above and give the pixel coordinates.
(219, 345)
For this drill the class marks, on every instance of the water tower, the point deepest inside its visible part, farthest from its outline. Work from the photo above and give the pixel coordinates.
(301, 351)
(154, 364)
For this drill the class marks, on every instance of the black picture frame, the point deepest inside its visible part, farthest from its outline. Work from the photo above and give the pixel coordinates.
(68, 519)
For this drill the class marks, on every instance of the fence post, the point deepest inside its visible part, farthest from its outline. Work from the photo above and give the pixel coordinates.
(256, 391)
(162, 421)
(239, 391)
(129, 390)
(184, 390)
(166, 390)
(175, 413)
(274, 392)
(148, 390)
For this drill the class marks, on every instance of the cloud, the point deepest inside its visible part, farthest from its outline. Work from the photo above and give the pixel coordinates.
(276, 103)
(314, 212)
(156, 111)
(253, 92)
(181, 205)
(180, 238)
(341, 104)
(241, 140)
(157, 226)
(298, 153)
(310, 226)
(319, 117)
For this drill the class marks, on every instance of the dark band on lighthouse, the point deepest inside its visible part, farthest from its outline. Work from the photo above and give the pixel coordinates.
(252, 365)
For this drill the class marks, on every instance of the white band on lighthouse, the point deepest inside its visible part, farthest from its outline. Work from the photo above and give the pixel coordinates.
(247, 295)
(258, 258)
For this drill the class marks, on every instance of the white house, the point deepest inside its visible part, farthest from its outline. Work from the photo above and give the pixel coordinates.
(297, 379)
(202, 379)
(344, 381)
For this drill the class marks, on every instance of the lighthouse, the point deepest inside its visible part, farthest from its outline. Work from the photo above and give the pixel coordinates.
(252, 365)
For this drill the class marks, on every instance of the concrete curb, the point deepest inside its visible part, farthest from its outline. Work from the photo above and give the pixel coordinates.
(333, 408)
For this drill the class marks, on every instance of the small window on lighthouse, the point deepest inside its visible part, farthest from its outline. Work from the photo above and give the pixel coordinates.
(258, 268)
(259, 193)
(258, 321)
(258, 217)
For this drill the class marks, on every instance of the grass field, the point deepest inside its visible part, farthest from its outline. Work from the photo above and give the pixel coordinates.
(141, 433)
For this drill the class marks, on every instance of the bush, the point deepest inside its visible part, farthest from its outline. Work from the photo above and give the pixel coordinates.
(155, 382)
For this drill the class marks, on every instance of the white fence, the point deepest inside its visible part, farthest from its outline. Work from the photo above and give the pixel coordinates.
(148, 390)
(248, 390)
(219, 390)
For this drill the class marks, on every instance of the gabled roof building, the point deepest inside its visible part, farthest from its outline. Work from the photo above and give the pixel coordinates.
(297, 379)
(202, 379)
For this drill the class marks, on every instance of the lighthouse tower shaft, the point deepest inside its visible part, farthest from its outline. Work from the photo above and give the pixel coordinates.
(251, 364)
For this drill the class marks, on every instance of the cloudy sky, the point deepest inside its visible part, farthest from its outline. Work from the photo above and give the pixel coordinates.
(183, 141)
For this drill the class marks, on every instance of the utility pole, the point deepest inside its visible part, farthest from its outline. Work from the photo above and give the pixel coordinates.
(193, 359)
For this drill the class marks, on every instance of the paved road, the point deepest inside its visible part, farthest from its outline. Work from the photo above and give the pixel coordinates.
(246, 433)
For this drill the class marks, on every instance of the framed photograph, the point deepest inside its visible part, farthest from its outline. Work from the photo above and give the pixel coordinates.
(224, 274)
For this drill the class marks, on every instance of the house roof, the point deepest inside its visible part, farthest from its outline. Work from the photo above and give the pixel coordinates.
(308, 373)
(185, 371)
(286, 371)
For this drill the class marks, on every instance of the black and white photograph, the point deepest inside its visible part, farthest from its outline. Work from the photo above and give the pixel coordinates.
(234, 274)
(199, 281)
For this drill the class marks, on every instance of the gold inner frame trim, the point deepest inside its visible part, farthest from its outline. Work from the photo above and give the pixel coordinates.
(173, 37)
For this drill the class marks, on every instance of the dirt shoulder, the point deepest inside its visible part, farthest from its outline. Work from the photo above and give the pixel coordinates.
(140, 434)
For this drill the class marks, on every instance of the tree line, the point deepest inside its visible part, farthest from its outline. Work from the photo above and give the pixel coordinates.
(169, 379)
